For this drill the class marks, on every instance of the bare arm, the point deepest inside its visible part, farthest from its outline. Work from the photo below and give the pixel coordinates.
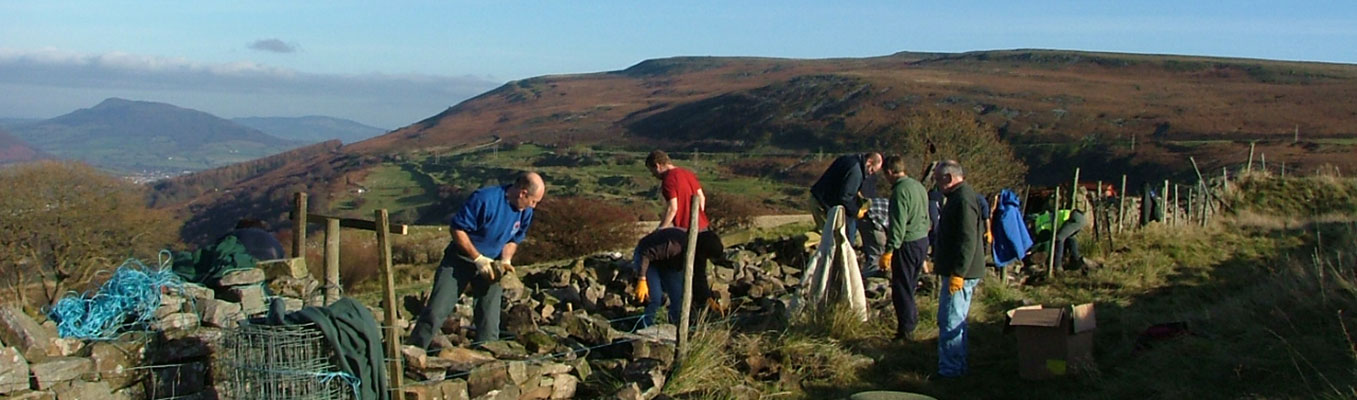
(464, 244)
(701, 201)
(507, 254)
(670, 211)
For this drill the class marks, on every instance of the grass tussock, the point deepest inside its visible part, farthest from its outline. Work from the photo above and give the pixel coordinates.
(708, 368)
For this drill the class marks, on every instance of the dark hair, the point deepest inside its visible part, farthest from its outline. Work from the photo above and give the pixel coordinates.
(894, 163)
(657, 158)
(709, 246)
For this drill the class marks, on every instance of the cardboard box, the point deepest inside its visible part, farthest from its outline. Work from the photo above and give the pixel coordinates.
(1053, 341)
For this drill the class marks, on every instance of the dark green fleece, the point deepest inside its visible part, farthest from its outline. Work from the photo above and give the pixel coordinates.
(959, 250)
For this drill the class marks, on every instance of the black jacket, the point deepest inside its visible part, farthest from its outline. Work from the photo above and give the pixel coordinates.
(841, 182)
(960, 249)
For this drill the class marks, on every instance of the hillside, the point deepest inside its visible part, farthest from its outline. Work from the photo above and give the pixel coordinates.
(13, 150)
(129, 136)
(311, 129)
(1111, 114)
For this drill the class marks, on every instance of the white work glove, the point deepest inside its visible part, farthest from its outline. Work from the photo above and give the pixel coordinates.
(505, 267)
(485, 267)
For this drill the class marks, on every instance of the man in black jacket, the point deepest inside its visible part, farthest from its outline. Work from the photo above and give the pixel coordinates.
(959, 260)
(839, 186)
(659, 259)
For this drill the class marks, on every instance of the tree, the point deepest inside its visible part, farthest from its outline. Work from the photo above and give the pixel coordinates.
(990, 164)
(64, 222)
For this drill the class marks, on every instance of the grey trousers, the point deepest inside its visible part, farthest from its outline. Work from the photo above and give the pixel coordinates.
(873, 246)
(455, 275)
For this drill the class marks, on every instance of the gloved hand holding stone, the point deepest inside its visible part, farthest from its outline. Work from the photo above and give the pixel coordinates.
(485, 267)
(642, 290)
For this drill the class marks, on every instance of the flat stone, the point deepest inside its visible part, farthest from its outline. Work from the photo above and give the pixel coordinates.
(181, 321)
(588, 329)
(535, 393)
(629, 392)
(289, 267)
(197, 292)
(646, 372)
(79, 390)
(220, 313)
(488, 377)
(169, 304)
(454, 389)
(505, 349)
(292, 305)
(13, 371)
(65, 347)
(563, 386)
(251, 298)
(240, 277)
(537, 342)
(47, 374)
(519, 320)
(33, 395)
(664, 332)
(465, 359)
(115, 360)
(300, 288)
(22, 331)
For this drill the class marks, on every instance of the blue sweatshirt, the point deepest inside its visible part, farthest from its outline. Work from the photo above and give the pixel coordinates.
(490, 221)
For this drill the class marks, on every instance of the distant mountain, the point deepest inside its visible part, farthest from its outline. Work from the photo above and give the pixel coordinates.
(135, 136)
(312, 129)
(13, 150)
(11, 123)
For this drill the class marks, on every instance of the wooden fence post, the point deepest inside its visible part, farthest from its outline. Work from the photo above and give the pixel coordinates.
(1055, 227)
(1074, 190)
(331, 260)
(1249, 168)
(684, 310)
(299, 224)
(1121, 209)
(395, 371)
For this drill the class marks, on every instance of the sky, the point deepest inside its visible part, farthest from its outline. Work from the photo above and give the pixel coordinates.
(391, 64)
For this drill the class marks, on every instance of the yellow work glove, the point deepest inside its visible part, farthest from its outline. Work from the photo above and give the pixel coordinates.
(642, 290)
(885, 262)
(485, 266)
(862, 211)
(955, 284)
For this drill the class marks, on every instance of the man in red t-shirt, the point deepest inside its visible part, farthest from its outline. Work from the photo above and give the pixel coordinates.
(677, 186)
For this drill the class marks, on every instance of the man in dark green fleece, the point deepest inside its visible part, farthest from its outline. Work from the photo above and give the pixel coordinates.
(959, 259)
(906, 243)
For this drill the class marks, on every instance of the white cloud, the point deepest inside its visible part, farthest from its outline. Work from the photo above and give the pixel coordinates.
(234, 83)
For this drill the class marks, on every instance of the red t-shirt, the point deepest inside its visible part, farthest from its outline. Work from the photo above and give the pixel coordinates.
(682, 184)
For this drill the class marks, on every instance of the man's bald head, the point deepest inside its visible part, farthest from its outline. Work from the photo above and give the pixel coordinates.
(527, 190)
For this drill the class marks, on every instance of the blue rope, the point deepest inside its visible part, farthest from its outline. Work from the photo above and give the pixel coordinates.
(128, 298)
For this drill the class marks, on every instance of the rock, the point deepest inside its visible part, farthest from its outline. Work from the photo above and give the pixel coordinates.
(33, 395)
(115, 360)
(629, 392)
(593, 295)
(520, 372)
(487, 377)
(646, 372)
(563, 386)
(197, 292)
(78, 390)
(613, 301)
(588, 329)
(180, 321)
(505, 349)
(545, 311)
(643, 349)
(567, 295)
(13, 371)
(287, 267)
(47, 374)
(220, 313)
(519, 320)
(65, 347)
(535, 393)
(169, 304)
(292, 305)
(582, 368)
(20, 330)
(196, 344)
(667, 332)
(557, 277)
(300, 288)
(464, 359)
(455, 389)
(537, 342)
(514, 291)
(240, 277)
(251, 298)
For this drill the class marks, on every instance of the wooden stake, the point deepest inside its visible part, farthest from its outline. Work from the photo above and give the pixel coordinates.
(1264, 156)
(331, 260)
(1164, 202)
(1177, 218)
(1074, 190)
(395, 371)
(1191, 197)
(1249, 168)
(1121, 210)
(685, 309)
(299, 224)
(1055, 227)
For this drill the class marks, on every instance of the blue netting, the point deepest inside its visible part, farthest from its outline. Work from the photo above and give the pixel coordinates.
(128, 299)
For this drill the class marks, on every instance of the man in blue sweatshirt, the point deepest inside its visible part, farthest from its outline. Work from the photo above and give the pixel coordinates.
(485, 235)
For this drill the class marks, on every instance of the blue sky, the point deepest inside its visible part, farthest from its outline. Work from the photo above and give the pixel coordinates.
(393, 64)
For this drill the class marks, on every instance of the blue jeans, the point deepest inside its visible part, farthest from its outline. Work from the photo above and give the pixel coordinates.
(952, 310)
(664, 281)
